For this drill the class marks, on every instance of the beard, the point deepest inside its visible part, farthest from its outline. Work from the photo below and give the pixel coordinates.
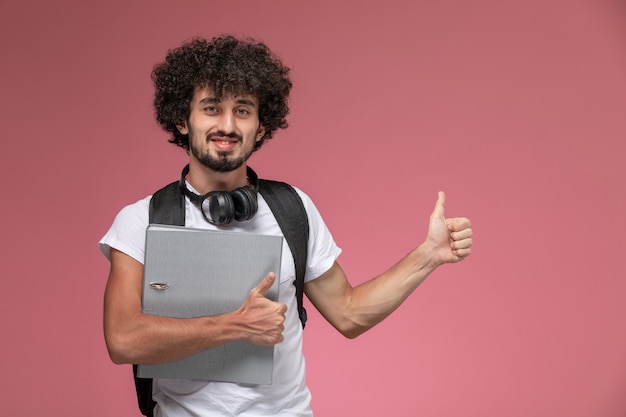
(224, 162)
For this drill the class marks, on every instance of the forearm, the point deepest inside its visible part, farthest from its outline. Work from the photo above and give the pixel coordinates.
(374, 300)
(353, 311)
(150, 339)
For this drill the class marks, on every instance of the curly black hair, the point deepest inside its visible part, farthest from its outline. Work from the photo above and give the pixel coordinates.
(226, 65)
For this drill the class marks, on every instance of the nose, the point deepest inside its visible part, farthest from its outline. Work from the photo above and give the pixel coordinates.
(226, 123)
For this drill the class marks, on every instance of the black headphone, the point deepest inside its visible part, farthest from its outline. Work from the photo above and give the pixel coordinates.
(222, 207)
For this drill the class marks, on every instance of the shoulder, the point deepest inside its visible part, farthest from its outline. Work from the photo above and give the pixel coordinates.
(135, 213)
(277, 186)
(127, 233)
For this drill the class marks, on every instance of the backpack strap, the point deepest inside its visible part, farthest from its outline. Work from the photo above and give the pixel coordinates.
(143, 386)
(167, 206)
(289, 211)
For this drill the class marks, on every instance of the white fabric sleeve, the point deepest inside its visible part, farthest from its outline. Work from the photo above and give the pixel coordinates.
(128, 231)
(322, 249)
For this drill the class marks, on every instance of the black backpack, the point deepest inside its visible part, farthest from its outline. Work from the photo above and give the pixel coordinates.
(167, 206)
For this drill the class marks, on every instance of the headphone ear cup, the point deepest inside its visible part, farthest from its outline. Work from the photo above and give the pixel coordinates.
(221, 207)
(245, 202)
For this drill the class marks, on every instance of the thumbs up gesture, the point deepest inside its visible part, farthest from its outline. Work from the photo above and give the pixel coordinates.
(262, 320)
(449, 239)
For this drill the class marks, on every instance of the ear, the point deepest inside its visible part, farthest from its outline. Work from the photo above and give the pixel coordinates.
(260, 133)
(182, 127)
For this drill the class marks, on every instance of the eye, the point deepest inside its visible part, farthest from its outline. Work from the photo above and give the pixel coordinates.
(210, 109)
(242, 112)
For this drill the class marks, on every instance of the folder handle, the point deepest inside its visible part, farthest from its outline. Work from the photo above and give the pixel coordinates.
(159, 285)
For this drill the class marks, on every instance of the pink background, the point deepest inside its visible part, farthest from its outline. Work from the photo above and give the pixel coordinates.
(516, 109)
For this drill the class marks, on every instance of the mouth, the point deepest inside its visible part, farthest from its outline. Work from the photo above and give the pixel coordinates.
(222, 143)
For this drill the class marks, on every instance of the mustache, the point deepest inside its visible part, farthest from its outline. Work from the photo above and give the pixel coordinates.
(220, 134)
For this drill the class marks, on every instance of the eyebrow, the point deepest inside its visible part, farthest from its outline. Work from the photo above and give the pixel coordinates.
(245, 101)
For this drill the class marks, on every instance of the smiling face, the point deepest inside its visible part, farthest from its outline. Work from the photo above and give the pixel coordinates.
(222, 132)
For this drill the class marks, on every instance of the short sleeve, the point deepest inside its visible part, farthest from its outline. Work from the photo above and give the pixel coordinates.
(322, 249)
(128, 231)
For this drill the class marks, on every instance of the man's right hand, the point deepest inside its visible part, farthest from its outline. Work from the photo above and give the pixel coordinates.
(262, 319)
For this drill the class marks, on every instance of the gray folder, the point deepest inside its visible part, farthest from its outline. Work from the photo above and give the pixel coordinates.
(193, 273)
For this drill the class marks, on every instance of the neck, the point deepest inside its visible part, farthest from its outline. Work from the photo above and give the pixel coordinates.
(204, 179)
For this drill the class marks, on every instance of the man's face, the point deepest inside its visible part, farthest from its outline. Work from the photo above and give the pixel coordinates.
(222, 133)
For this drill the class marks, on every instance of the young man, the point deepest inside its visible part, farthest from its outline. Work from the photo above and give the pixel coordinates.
(220, 100)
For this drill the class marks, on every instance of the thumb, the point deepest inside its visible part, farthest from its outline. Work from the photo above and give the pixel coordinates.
(440, 205)
(265, 285)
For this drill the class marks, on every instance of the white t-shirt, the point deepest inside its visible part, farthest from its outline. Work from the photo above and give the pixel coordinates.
(288, 394)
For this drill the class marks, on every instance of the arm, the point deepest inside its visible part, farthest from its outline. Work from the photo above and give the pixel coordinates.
(352, 311)
(134, 337)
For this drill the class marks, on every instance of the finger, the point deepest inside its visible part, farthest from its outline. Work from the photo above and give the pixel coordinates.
(439, 205)
(282, 308)
(462, 253)
(266, 284)
(458, 223)
(462, 234)
(461, 244)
